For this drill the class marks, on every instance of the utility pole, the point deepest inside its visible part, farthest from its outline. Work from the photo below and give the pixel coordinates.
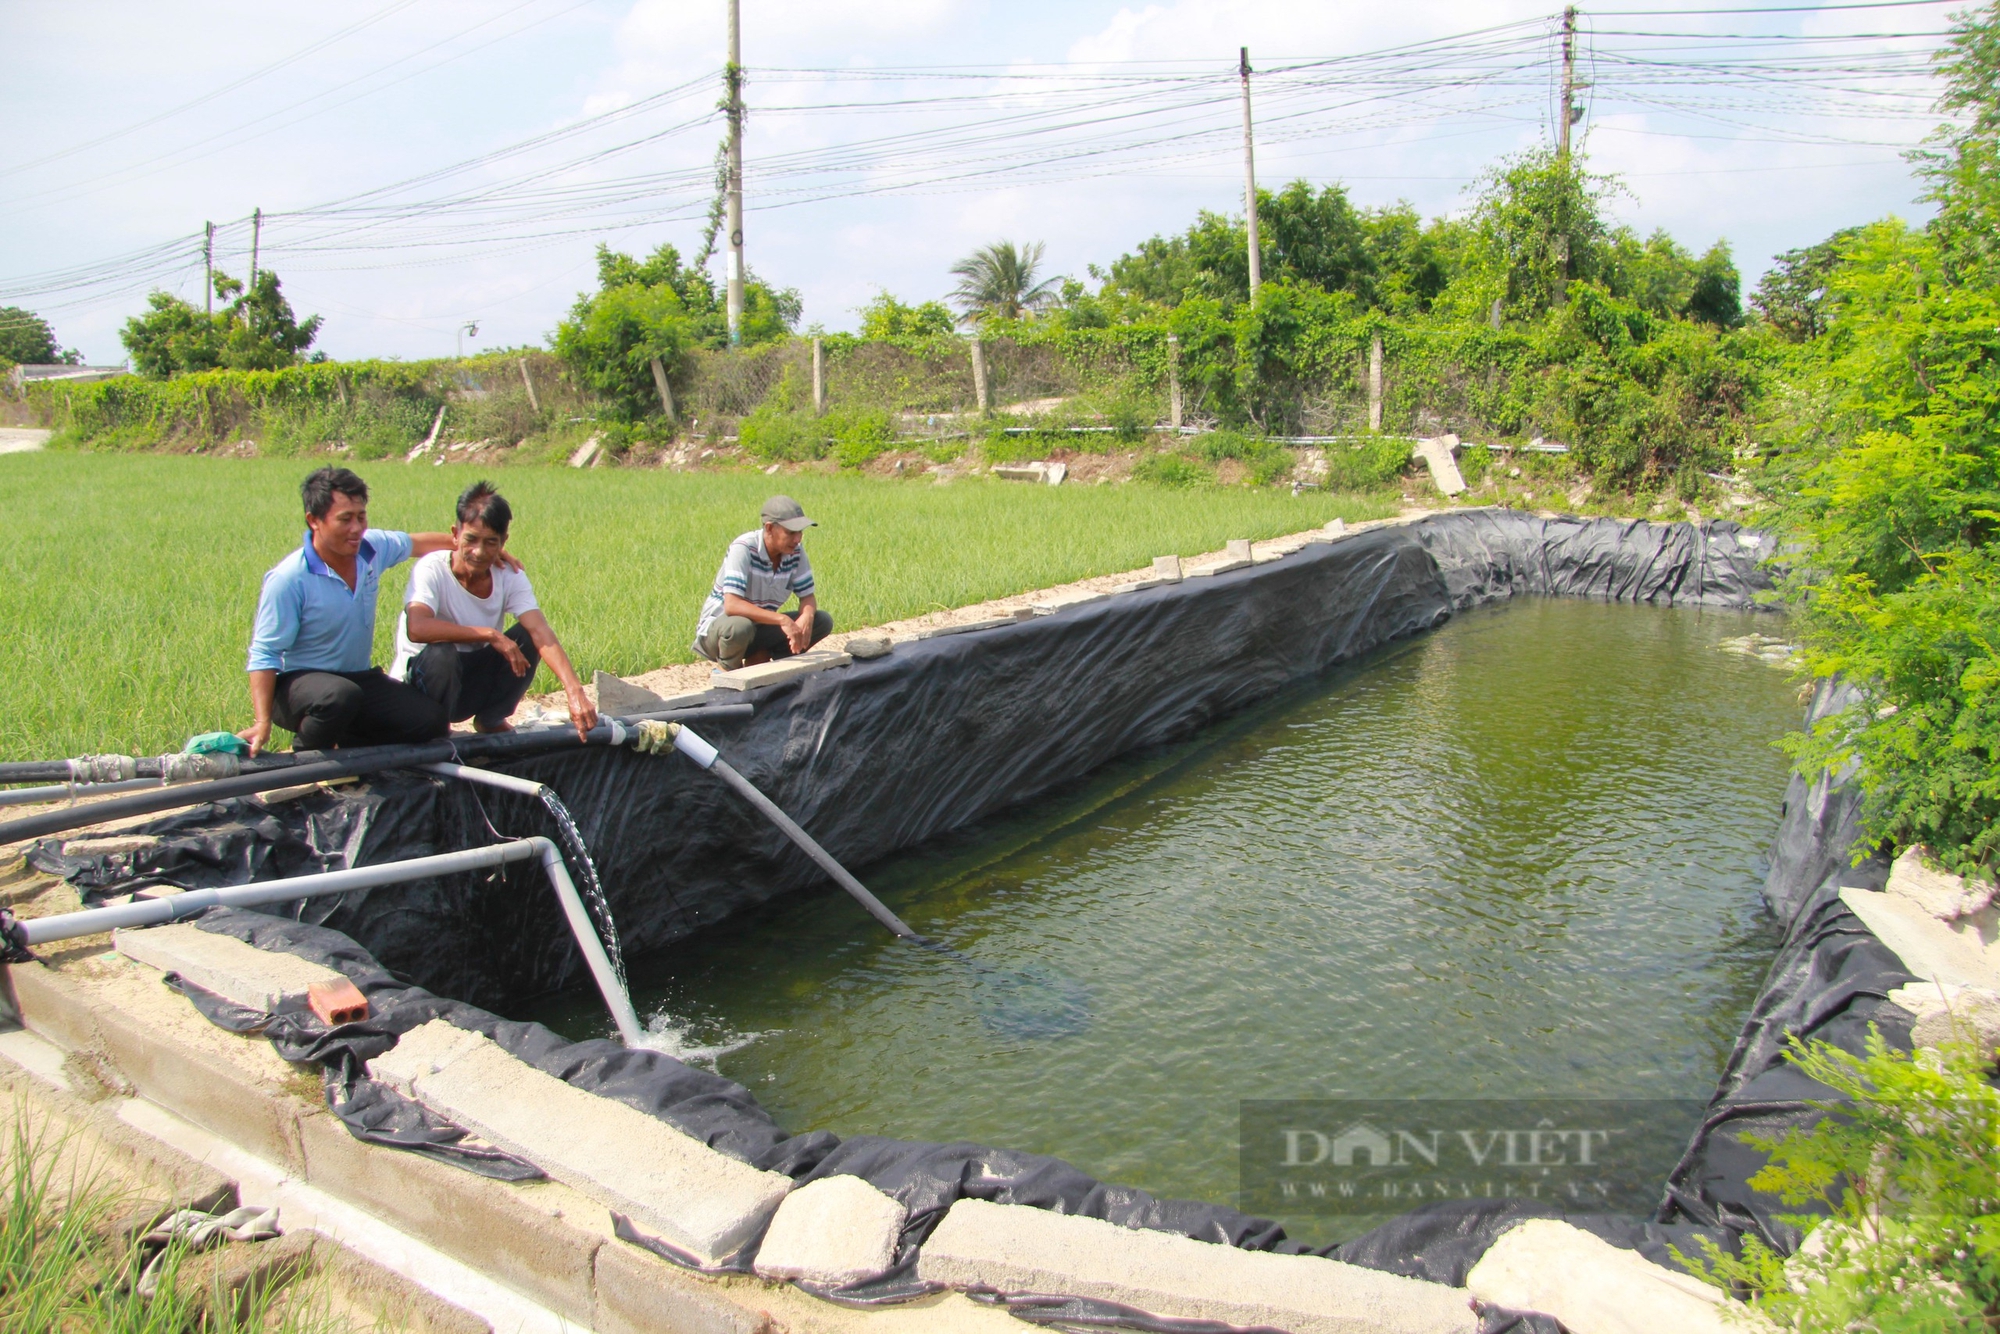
(733, 77)
(1249, 181)
(208, 265)
(256, 235)
(1571, 112)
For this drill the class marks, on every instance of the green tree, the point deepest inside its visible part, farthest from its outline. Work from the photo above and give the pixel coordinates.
(1792, 296)
(257, 330)
(886, 317)
(1001, 281)
(1537, 225)
(27, 340)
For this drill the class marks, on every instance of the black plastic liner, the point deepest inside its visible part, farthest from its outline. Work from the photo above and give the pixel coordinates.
(884, 754)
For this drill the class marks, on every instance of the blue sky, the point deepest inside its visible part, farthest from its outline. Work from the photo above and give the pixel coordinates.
(398, 88)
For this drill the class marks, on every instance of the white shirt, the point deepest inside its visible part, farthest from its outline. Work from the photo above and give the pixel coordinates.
(433, 584)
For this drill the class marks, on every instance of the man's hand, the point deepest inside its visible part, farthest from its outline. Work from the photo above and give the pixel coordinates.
(582, 713)
(509, 650)
(257, 734)
(509, 561)
(797, 633)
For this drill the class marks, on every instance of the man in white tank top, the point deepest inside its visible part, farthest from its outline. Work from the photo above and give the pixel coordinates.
(453, 643)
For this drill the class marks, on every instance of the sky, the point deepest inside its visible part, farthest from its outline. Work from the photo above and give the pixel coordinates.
(886, 138)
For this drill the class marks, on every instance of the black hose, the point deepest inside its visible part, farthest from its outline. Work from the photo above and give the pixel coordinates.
(319, 766)
(491, 743)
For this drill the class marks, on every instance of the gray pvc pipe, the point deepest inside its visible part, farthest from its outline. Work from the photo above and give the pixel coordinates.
(527, 787)
(172, 907)
(29, 796)
(698, 750)
(152, 912)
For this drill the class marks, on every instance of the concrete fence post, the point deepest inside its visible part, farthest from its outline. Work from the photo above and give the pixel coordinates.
(1174, 413)
(979, 393)
(666, 393)
(819, 378)
(1375, 383)
(528, 380)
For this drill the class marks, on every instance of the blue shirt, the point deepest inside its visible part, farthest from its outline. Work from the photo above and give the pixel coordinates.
(307, 617)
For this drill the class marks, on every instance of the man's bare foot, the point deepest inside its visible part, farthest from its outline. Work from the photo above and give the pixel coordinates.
(757, 659)
(502, 726)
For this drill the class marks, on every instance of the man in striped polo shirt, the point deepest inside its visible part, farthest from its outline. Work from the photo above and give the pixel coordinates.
(741, 621)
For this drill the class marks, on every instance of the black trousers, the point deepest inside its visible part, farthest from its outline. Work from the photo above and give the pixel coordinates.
(327, 709)
(477, 685)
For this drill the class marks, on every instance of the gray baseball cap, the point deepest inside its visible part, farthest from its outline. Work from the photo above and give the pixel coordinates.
(788, 512)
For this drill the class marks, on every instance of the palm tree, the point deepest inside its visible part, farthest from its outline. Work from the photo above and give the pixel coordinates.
(997, 282)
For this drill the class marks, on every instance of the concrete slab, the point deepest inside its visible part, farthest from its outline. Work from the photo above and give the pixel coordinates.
(670, 1184)
(1943, 895)
(1141, 585)
(1239, 548)
(259, 979)
(619, 698)
(1014, 1248)
(1212, 567)
(1167, 569)
(38, 1056)
(989, 623)
(781, 671)
(1929, 948)
(1436, 453)
(1592, 1286)
(834, 1231)
(1049, 606)
(1336, 528)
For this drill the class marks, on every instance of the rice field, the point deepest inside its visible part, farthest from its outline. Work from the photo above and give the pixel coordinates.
(130, 581)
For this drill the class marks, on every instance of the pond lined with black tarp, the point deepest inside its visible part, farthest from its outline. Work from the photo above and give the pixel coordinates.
(1515, 857)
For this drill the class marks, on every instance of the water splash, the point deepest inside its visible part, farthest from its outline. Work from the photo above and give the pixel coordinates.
(675, 1037)
(592, 888)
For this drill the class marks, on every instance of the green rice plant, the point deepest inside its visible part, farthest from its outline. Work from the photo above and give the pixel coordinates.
(132, 579)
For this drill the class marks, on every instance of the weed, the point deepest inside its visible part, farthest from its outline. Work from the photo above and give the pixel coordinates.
(1171, 469)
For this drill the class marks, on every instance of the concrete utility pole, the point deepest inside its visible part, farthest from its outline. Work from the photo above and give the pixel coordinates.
(1250, 181)
(1174, 413)
(819, 377)
(256, 235)
(733, 77)
(208, 266)
(979, 394)
(1571, 112)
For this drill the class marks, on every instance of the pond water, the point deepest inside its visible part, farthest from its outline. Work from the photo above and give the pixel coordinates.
(1516, 857)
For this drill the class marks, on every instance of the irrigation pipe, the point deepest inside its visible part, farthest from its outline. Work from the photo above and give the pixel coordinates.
(151, 912)
(705, 755)
(33, 796)
(103, 769)
(338, 764)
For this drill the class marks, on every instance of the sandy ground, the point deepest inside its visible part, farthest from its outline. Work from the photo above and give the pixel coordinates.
(21, 439)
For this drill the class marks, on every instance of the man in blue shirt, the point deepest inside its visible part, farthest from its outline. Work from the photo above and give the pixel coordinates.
(315, 635)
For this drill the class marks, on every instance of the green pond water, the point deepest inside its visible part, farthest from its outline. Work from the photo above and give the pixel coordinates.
(1516, 857)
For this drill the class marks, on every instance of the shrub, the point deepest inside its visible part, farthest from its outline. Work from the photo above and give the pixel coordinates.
(859, 434)
(852, 436)
(1366, 466)
(1171, 469)
(1264, 460)
(1901, 1183)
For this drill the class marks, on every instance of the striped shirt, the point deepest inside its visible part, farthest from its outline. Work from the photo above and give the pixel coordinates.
(748, 573)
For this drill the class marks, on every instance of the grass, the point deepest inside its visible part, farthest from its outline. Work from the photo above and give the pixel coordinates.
(64, 1266)
(131, 580)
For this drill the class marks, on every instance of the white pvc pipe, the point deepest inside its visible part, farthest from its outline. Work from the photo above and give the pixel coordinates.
(172, 907)
(615, 996)
(28, 796)
(152, 912)
(525, 786)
